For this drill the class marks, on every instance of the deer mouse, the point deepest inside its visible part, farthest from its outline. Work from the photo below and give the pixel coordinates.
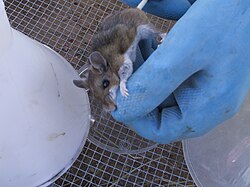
(113, 53)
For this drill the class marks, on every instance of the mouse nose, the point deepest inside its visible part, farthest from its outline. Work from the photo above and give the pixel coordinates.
(109, 108)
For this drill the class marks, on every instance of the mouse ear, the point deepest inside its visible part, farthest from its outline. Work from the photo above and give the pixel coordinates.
(82, 83)
(98, 62)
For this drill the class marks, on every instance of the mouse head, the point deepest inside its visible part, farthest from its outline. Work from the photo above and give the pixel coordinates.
(101, 81)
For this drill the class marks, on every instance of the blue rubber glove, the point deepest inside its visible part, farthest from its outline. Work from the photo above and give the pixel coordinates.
(205, 62)
(169, 9)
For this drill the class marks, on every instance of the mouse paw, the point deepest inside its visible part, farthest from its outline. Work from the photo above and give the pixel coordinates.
(161, 38)
(123, 89)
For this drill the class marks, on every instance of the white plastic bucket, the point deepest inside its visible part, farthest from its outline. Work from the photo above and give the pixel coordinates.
(44, 118)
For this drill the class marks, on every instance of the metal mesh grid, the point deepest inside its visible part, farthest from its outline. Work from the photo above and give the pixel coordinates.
(67, 26)
(161, 166)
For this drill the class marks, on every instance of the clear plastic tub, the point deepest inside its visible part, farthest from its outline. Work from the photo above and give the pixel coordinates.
(222, 157)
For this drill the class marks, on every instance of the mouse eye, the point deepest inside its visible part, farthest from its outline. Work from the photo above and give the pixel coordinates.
(105, 83)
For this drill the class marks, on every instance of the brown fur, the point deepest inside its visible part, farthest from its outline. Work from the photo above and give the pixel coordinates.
(115, 35)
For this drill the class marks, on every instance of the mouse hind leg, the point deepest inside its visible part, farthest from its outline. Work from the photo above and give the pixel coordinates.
(143, 32)
(160, 38)
(147, 31)
(125, 71)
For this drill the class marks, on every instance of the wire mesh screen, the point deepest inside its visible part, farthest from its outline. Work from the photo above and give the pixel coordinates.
(113, 155)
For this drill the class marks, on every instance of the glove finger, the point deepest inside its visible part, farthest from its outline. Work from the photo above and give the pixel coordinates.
(147, 47)
(168, 9)
(168, 102)
(191, 1)
(139, 59)
(132, 3)
(143, 51)
(153, 128)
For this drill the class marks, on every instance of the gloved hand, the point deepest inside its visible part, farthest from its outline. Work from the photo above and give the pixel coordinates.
(169, 9)
(204, 61)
